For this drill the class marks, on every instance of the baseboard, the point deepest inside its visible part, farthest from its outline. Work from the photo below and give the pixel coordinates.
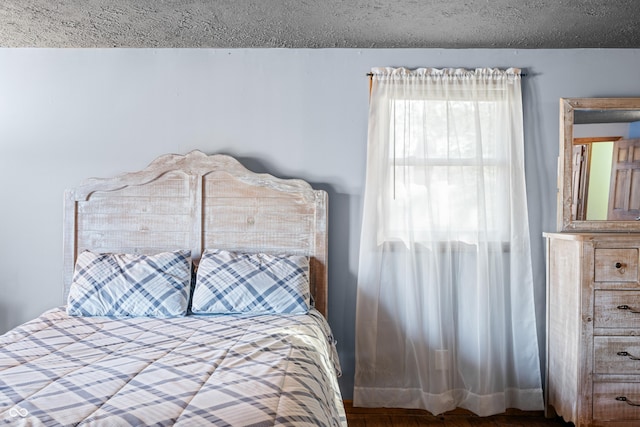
(354, 410)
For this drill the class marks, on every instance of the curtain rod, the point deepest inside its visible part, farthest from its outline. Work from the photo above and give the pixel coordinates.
(521, 74)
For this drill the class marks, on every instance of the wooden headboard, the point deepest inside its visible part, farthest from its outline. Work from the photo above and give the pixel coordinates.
(197, 201)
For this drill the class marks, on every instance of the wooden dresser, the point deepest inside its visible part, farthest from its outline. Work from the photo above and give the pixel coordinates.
(593, 328)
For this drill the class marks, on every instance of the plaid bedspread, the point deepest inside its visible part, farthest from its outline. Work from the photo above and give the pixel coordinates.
(58, 370)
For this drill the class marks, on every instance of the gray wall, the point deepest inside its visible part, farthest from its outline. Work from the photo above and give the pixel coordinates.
(66, 115)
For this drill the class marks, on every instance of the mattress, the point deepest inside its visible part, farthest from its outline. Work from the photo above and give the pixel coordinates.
(227, 370)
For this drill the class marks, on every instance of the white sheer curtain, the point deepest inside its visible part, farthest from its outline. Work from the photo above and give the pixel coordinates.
(445, 311)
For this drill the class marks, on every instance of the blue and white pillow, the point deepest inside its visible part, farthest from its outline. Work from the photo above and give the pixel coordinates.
(128, 285)
(230, 282)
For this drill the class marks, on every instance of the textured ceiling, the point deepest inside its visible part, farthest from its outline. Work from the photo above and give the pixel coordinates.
(321, 23)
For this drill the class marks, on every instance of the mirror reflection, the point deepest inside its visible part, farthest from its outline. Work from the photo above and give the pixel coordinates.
(600, 171)
(604, 183)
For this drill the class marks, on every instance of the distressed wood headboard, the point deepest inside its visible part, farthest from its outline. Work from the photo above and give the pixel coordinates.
(197, 201)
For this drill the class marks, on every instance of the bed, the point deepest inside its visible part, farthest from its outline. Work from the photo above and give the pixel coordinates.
(196, 295)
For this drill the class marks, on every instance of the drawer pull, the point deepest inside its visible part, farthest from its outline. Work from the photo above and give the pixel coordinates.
(626, 354)
(620, 267)
(626, 307)
(624, 399)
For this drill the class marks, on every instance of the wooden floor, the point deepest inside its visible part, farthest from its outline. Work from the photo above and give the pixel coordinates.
(383, 417)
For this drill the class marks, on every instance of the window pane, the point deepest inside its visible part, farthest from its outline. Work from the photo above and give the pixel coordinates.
(443, 130)
(448, 179)
(453, 201)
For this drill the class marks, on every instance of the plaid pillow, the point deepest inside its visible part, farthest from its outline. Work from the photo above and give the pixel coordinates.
(229, 282)
(126, 285)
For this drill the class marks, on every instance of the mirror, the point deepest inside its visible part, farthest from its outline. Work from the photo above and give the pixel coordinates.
(599, 165)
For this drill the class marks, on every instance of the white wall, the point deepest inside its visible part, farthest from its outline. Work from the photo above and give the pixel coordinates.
(66, 115)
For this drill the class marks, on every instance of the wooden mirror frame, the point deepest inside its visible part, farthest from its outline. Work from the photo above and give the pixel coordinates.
(567, 111)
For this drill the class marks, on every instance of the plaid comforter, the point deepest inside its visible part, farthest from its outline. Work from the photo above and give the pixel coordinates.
(58, 370)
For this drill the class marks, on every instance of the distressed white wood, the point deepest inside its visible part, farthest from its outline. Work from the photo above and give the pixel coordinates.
(564, 338)
(616, 355)
(564, 199)
(616, 265)
(607, 408)
(197, 201)
(587, 325)
(607, 313)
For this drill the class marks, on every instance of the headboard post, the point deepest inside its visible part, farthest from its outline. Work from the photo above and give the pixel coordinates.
(319, 262)
(69, 243)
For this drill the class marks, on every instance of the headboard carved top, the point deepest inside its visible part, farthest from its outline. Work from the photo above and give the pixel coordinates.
(195, 163)
(198, 201)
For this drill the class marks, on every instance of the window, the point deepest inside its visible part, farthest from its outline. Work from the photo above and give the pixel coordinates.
(447, 174)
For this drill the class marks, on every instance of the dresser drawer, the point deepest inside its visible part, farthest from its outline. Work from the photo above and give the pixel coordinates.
(616, 401)
(616, 265)
(616, 355)
(617, 309)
